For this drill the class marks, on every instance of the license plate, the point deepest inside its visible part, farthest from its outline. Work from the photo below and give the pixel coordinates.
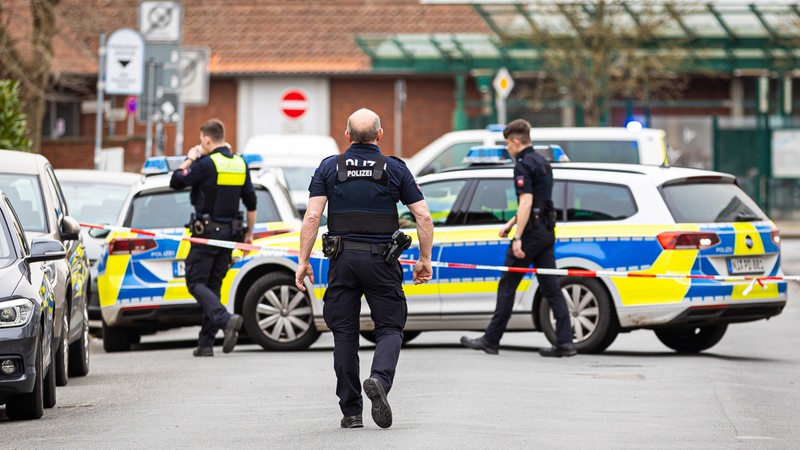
(179, 269)
(744, 265)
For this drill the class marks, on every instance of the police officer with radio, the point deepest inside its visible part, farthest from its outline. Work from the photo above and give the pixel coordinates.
(363, 243)
(533, 244)
(219, 179)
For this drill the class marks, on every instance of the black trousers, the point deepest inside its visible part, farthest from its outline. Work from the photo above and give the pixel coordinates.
(539, 251)
(206, 266)
(353, 274)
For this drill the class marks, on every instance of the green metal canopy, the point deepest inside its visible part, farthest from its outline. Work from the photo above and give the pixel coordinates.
(720, 36)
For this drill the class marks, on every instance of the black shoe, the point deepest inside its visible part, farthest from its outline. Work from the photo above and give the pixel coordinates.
(352, 422)
(381, 411)
(232, 333)
(203, 351)
(559, 350)
(480, 344)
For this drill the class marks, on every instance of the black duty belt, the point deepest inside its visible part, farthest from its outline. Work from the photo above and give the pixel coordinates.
(377, 249)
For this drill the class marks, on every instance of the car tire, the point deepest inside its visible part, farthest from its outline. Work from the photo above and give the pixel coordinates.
(691, 339)
(593, 318)
(62, 354)
(29, 405)
(407, 335)
(117, 339)
(277, 315)
(79, 350)
(49, 383)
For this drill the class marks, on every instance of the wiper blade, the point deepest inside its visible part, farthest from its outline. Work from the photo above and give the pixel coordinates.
(747, 217)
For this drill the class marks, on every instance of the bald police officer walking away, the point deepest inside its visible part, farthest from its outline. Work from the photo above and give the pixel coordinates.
(532, 243)
(218, 179)
(363, 244)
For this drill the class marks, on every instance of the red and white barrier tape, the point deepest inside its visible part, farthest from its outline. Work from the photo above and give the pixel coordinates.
(558, 272)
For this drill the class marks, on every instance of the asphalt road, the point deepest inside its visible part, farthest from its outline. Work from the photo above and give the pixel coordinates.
(743, 393)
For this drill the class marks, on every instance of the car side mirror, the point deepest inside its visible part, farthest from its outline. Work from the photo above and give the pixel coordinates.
(69, 229)
(46, 250)
(99, 233)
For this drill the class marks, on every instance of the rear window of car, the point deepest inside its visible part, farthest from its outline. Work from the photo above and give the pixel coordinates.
(171, 209)
(622, 151)
(25, 194)
(710, 202)
(94, 202)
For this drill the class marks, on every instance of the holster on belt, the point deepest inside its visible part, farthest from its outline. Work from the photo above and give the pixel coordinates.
(331, 246)
(198, 225)
(237, 227)
(400, 242)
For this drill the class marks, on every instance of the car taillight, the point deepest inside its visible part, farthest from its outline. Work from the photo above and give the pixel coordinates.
(130, 246)
(775, 235)
(680, 240)
(268, 233)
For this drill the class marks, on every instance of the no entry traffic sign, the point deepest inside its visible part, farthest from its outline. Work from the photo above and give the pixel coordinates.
(294, 104)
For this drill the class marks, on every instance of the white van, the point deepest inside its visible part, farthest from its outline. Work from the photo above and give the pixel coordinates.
(294, 157)
(584, 144)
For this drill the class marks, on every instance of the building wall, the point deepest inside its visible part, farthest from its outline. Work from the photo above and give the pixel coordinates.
(428, 111)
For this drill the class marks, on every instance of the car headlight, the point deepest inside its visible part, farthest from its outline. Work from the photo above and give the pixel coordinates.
(15, 313)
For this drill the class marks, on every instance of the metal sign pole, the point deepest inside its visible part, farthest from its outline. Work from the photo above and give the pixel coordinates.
(101, 87)
(151, 74)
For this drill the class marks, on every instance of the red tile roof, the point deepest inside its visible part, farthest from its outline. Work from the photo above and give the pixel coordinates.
(262, 36)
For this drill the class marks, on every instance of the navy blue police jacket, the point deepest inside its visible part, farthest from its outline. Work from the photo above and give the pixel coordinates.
(401, 184)
(201, 175)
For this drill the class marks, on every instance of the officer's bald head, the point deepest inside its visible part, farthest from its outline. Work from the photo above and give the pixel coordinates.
(364, 127)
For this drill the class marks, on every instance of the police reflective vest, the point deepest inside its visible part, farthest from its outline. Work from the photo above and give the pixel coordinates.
(225, 194)
(362, 201)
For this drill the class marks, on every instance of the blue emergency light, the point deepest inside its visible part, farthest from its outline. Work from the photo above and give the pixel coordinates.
(491, 154)
(156, 165)
(495, 127)
(552, 152)
(254, 160)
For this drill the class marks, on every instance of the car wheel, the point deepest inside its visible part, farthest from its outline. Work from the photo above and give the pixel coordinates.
(79, 350)
(62, 354)
(49, 383)
(594, 322)
(691, 339)
(116, 339)
(407, 335)
(30, 405)
(277, 315)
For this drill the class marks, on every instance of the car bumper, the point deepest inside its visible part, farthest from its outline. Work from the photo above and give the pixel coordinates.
(19, 345)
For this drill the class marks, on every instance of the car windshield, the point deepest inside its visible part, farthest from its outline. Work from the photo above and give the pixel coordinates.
(25, 194)
(171, 209)
(298, 178)
(6, 255)
(710, 203)
(94, 202)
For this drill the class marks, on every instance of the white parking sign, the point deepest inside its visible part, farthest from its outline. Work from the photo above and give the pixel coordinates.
(125, 63)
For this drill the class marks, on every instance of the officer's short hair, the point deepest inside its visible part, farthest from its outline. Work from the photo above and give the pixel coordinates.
(214, 129)
(361, 136)
(518, 129)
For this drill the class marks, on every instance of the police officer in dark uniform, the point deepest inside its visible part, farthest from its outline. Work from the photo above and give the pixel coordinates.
(362, 187)
(532, 244)
(218, 179)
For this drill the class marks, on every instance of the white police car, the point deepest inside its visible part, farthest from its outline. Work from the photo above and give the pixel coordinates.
(141, 277)
(694, 226)
(631, 144)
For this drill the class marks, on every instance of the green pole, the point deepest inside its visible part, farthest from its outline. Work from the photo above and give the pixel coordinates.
(460, 113)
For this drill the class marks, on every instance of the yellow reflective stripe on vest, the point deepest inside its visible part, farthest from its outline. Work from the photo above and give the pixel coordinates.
(230, 171)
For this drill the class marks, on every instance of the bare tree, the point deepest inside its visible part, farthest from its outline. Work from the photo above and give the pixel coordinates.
(596, 51)
(29, 62)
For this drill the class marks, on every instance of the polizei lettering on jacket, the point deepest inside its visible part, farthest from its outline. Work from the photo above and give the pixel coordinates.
(353, 171)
